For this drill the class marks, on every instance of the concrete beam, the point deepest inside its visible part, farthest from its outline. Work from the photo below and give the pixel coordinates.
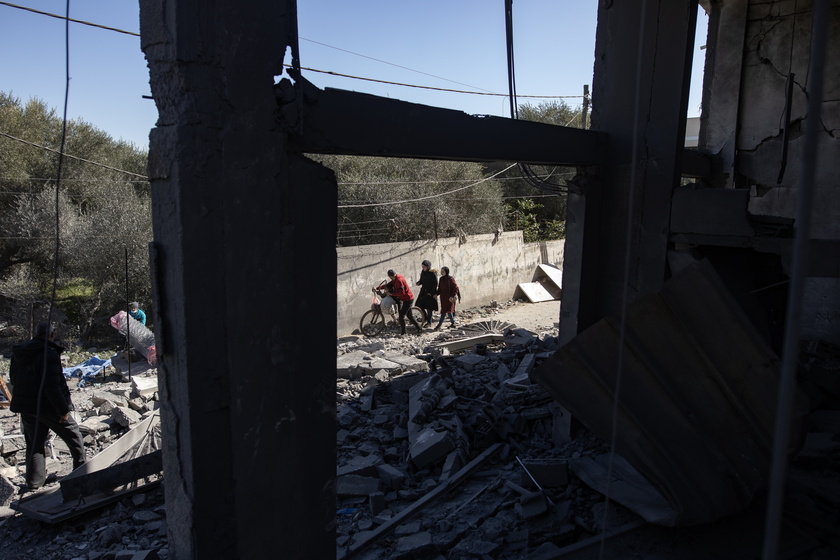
(345, 122)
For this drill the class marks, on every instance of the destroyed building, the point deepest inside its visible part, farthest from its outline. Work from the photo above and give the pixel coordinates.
(248, 410)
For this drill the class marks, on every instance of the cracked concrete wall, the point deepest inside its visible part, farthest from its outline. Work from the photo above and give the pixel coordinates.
(778, 42)
(753, 47)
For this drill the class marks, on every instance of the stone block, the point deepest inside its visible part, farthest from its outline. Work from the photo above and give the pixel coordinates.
(96, 424)
(124, 416)
(106, 408)
(144, 387)
(407, 363)
(469, 361)
(376, 500)
(362, 466)
(417, 545)
(430, 447)
(525, 365)
(138, 404)
(8, 491)
(348, 364)
(532, 505)
(391, 477)
(502, 372)
(354, 485)
(12, 444)
(99, 397)
(406, 381)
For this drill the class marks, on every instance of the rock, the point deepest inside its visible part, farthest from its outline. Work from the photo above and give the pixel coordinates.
(124, 416)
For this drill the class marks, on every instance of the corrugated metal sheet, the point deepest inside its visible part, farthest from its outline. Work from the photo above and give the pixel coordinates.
(696, 404)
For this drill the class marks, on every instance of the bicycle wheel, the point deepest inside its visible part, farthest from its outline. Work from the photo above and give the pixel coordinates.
(419, 315)
(372, 323)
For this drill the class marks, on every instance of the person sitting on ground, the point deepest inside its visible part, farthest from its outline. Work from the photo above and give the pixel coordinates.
(41, 397)
(402, 293)
(137, 313)
(448, 291)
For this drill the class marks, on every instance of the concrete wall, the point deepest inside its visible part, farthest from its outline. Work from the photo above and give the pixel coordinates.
(777, 43)
(486, 268)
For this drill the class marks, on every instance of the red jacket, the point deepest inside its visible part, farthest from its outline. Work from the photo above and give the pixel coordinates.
(401, 290)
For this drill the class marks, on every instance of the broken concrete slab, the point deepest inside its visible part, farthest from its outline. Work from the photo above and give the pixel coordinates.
(464, 343)
(391, 477)
(96, 424)
(355, 485)
(8, 491)
(347, 364)
(99, 397)
(469, 360)
(430, 447)
(407, 363)
(360, 465)
(12, 444)
(145, 387)
(125, 416)
(691, 345)
(546, 285)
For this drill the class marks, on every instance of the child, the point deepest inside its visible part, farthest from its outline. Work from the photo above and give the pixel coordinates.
(448, 292)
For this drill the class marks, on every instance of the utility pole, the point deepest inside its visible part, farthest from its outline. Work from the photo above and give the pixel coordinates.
(585, 105)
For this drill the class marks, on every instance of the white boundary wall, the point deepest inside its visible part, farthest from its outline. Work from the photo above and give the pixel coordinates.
(486, 267)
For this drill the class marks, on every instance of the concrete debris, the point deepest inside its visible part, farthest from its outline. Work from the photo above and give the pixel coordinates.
(422, 429)
(95, 402)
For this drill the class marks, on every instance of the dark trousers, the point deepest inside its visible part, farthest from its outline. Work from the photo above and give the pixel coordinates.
(405, 306)
(35, 432)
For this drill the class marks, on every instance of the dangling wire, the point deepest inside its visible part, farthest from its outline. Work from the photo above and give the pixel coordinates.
(527, 173)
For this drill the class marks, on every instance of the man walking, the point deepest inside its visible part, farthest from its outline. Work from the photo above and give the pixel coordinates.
(41, 396)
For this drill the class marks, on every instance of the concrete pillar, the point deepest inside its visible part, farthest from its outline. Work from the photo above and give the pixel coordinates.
(637, 102)
(244, 277)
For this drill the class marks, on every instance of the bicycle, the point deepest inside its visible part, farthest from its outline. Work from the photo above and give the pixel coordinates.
(374, 320)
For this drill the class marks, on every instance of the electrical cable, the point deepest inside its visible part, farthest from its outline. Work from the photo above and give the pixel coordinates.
(524, 170)
(62, 154)
(331, 73)
(296, 63)
(392, 64)
(425, 197)
(47, 334)
(57, 16)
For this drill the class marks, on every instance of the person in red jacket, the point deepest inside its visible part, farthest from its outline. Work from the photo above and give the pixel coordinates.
(402, 293)
(449, 292)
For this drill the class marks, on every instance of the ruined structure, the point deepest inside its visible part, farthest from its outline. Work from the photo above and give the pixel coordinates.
(249, 418)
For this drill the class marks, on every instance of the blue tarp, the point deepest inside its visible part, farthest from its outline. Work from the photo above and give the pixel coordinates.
(87, 370)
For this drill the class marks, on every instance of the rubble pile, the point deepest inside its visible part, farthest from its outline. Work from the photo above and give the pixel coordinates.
(410, 424)
(134, 527)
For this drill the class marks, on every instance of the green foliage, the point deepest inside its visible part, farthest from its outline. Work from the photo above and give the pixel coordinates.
(522, 214)
(546, 218)
(96, 214)
(431, 198)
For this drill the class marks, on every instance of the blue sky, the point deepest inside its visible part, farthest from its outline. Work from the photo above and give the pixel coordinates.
(442, 44)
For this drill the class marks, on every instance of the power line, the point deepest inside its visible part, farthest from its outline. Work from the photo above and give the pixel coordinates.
(427, 197)
(331, 73)
(61, 153)
(392, 64)
(57, 16)
(436, 181)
